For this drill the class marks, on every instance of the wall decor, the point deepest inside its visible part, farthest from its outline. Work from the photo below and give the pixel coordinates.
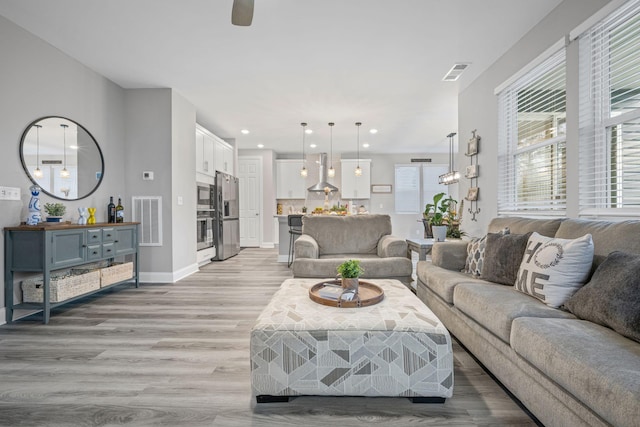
(381, 188)
(472, 172)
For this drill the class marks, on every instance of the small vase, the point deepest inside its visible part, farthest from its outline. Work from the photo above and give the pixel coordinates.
(92, 217)
(350, 284)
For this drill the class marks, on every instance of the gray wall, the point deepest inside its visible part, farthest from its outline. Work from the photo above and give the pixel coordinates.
(183, 186)
(478, 107)
(38, 80)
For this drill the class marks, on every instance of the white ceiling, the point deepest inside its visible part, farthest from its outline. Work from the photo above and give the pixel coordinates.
(380, 62)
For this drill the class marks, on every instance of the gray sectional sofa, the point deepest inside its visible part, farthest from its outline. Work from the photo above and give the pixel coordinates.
(329, 240)
(566, 371)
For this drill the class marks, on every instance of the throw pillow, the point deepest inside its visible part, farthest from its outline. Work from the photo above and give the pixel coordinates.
(475, 254)
(552, 270)
(612, 297)
(502, 257)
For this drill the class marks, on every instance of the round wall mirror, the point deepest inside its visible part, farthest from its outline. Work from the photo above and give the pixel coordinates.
(62, 157)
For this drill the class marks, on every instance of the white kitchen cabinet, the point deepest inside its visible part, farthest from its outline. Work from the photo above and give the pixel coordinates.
(355, 187)
(223, 153)
(289, 183)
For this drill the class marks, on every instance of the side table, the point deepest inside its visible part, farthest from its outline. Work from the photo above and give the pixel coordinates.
(421, 246)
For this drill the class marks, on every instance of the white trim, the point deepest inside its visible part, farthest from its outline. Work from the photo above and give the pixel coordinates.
(267, 245)
(531, 65)
(168, 277)
(283, 258)
(3, 316)
(605, 11)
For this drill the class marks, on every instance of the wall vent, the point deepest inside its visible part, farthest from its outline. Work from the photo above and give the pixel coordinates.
(147, 210)
(420, 160)
(455, 72)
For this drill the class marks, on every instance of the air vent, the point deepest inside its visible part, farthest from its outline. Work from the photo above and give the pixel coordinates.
(148, 212)
(455, 72)
(420, 160)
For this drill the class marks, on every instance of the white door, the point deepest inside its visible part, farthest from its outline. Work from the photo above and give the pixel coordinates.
(250, 176)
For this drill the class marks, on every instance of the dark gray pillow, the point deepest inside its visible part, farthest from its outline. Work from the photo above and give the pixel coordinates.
(502, 257)
(612, 297)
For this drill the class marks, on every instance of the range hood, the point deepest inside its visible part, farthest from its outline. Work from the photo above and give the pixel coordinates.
(322, 179)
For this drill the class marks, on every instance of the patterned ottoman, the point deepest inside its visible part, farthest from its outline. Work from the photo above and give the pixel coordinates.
(397, 347)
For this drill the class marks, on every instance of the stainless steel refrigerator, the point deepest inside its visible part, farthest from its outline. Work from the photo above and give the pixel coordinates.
(227, 221)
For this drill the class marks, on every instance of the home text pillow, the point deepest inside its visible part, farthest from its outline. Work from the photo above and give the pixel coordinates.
(612, 296)
(502, 257)
(552, 270)
(475, 254)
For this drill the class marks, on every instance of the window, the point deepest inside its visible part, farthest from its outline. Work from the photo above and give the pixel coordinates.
(610, 114)
(415, 186)
(532, 139)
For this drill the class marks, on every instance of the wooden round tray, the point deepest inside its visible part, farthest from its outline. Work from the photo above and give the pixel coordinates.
(368, 294)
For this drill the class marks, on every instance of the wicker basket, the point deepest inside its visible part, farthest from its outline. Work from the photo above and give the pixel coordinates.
(61, 287)
(116, 273)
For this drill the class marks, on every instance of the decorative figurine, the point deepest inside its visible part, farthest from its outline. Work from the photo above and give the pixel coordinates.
(34, 206)
(83, 216)
(92, 217)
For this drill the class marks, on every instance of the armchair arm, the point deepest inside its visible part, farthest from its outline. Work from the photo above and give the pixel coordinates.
(306, 246)
(392, 246)
(450, 255)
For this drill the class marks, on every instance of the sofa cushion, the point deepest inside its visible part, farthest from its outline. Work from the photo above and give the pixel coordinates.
(612, 297)
(358, 234)
(442, 281)
(553, 269)
(595, 364)
(503, 256)
(518, 225)
(495, 306)
(607, 236)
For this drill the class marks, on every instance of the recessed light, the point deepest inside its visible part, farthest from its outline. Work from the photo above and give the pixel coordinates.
(374, 131)
(260, 145)
(244, 131)
(73, 147)
(365, 145)
(312, 145)
(308, 131)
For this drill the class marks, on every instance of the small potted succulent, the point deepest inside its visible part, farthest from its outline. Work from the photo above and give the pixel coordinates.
(349, 272)
(55, 211)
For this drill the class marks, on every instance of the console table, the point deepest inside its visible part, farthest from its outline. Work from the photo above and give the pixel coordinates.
(421, 246)
(43, 248)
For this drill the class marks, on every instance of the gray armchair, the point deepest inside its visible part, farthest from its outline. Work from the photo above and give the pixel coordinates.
(329, 240)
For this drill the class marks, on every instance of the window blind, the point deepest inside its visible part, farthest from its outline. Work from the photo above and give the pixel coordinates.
(531, 141)
(609, 86)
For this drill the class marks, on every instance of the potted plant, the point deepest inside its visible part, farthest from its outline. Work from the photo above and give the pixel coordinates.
(55, 211)
(436, 215)
(350, 271)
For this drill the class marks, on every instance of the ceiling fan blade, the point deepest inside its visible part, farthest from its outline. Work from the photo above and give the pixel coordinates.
(242, 12)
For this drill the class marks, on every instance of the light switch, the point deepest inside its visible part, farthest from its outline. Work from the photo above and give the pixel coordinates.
(9, 193)
(180, 201)
(147, 175)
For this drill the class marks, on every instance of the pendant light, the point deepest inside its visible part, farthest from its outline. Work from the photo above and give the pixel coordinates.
(37, 173)
(452, 176)
(303, 171)
(64, 173)
(331, 172)
(358, 170)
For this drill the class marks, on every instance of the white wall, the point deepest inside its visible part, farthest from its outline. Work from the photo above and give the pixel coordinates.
(38, 80)
(478, 107)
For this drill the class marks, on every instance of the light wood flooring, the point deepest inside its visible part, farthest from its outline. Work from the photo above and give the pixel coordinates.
(178, 355)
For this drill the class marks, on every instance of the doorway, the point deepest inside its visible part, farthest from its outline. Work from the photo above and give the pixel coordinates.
(250, 177)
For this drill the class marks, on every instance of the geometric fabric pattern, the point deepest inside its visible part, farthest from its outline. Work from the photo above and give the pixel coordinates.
(475, 254)
(397, 347)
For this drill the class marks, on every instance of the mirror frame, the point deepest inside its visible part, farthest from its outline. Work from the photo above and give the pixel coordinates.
(31, 178)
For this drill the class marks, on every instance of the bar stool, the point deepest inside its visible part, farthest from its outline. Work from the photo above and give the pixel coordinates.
(295, 229)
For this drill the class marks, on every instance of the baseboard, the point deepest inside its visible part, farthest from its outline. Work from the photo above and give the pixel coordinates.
(3, 316)
(267, 245)
(168, 277)
(283, 258)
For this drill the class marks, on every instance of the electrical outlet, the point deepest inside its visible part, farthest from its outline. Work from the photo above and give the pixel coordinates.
(147, 175)
(9, 193)
(180, 201)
